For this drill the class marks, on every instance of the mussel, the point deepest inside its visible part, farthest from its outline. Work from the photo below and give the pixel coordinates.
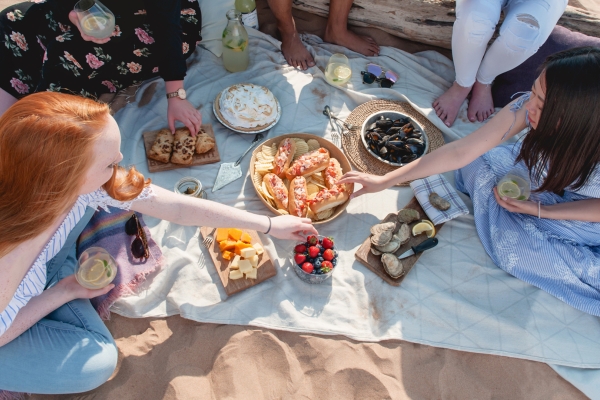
(397, 141)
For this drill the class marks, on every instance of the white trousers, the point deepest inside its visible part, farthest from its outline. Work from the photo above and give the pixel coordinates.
(527, 25)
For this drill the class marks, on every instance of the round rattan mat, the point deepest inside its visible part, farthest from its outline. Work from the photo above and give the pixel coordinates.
(352, 142)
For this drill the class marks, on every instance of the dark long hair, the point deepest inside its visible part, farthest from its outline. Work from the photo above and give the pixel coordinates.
(567, 138)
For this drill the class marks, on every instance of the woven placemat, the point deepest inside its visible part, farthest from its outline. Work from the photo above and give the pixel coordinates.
(352, 142)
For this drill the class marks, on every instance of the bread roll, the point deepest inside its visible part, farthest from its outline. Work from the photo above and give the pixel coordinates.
(309, 163)
(298, 197)
(277, 190)
(284, 156)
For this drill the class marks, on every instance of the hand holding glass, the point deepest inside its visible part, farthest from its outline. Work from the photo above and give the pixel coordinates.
(95, 19)
(515, 184)
(96, 268)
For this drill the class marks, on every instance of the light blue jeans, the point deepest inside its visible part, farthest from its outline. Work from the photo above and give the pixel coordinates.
(68, 351)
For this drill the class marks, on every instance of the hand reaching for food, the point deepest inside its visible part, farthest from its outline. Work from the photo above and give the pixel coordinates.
(183, 111)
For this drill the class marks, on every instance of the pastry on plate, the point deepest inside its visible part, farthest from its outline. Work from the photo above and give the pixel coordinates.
(162, 147)
(204, 143)
(183, 147)
(248, 107)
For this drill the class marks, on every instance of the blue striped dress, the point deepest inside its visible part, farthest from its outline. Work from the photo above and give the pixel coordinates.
(558, 256)
(35, 280)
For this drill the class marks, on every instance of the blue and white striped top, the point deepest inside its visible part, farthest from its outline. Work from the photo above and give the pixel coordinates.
(34, 281)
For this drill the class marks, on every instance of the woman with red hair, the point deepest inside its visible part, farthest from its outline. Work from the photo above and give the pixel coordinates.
(59, 158)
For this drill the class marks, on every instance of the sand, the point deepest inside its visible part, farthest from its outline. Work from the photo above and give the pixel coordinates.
(174, 358)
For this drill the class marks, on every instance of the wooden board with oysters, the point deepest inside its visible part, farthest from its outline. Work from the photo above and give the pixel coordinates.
(297, 173)
(395, 234)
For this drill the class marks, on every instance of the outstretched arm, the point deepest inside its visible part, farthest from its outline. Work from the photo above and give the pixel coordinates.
(190, 211)
(447, 158)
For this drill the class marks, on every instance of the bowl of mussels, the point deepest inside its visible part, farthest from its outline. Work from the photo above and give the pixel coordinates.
(394, 138)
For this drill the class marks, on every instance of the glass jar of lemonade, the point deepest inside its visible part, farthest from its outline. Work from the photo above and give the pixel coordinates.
(96, 268)
(235, 44)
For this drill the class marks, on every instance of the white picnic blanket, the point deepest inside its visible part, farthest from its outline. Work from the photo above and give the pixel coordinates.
(454, 297)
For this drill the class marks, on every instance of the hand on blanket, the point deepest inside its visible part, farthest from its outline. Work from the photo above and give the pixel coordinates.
(291, 227)
(184, 111)
(370, 183)
(75, 21)
(76, 291)
(517, 206)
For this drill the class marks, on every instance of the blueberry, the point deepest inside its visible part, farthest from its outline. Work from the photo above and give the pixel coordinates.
(320, 259)
(310, 260)
(321, 251)
(317, 264)
(334, 261)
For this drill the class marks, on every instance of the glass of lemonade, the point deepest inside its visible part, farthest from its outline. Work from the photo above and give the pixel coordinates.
(338, 70)
(515, 184)
(95, 19)
(96, 268)
(235, 44)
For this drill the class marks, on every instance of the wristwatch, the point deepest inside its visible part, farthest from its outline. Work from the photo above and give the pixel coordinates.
(179, 93)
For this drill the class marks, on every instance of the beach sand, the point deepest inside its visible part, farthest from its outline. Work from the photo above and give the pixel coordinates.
(175, 358)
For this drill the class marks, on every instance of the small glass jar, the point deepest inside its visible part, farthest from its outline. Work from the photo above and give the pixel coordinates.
(190, 186)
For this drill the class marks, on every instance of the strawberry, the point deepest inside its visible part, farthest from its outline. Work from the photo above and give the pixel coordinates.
(313, 251)
(328, 255)
(312, 240)
(328, 243)
(307, 267)
(300, 248)
(326, 265)
(300, 258)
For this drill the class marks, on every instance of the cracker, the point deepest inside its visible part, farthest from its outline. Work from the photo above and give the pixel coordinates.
(311, 188)
(313, 144)
(266, 192)
(268, 151)
(282, 211)
(325, 214)
(301, 148)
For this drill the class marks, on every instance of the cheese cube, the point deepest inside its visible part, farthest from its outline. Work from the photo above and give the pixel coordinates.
(244, 266)
(246, 238)
(252, 274)
(248, 252)
(259, 248)
(241, 245)
(235, 233)
(235, 274)
(222, 234)
(227, 255)
(234, 263)
(254, 260)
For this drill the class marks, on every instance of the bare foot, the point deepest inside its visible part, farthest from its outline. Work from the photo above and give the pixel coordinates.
(447, 105)
(364, 45)
(481, 104)
(294, 51)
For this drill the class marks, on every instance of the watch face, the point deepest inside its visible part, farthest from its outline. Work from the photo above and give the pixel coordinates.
(181, 93)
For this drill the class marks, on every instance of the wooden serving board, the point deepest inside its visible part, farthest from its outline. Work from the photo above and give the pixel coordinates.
(198, 159)
(373, 262)
(266, 268)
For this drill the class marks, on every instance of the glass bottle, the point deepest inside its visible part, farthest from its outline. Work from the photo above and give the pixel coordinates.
(248, 10)
(235, 44)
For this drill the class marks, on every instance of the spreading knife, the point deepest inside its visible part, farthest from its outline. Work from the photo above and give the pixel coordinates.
(426, 245)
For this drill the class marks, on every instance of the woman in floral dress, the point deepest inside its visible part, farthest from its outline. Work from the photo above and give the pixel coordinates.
(44, 49)
(551, 241)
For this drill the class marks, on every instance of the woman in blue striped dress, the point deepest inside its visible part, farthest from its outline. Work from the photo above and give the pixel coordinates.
(552, 240)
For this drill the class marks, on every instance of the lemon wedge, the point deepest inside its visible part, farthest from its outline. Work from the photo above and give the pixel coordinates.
(509, 189)
(96, 272)
(342, 72)
(424, 226)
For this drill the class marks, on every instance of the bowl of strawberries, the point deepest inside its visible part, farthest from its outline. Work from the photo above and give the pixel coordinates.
(315, 259)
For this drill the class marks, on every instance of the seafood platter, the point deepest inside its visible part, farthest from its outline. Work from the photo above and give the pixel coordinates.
(297, 174)
(394, 138)
(247, 108)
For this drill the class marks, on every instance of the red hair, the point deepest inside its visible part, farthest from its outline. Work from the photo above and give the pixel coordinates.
(46, 149)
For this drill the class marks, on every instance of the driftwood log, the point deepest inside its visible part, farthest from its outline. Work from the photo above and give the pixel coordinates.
(430, 21)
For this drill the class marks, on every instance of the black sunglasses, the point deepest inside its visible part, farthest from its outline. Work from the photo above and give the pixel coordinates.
(373, 73)
(139, 246)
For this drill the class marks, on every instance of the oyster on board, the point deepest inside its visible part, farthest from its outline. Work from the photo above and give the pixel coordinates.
(391, 246)
(382, 233)
(392, 265)
(408, 215)
(404, 233)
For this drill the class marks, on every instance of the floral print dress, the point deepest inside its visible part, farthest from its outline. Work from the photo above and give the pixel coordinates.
(42, 50)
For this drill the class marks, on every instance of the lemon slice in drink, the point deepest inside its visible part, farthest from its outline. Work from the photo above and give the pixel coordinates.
(424, 227)
(96, 272)
(342, 72)
(509, 189)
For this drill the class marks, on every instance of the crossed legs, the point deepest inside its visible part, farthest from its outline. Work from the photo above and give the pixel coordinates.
(336, 32)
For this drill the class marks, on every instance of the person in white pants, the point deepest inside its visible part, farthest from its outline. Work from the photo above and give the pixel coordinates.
(527, 25)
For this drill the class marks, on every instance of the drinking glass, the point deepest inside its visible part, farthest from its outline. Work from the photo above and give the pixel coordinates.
(95, 19)
(96, 268)
(338, 70)
(515, 184)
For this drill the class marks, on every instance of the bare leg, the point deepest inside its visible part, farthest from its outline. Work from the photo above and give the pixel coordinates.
(481, 104)
(291, 46)
(337, 30)
(447, 105)
(6, 100)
